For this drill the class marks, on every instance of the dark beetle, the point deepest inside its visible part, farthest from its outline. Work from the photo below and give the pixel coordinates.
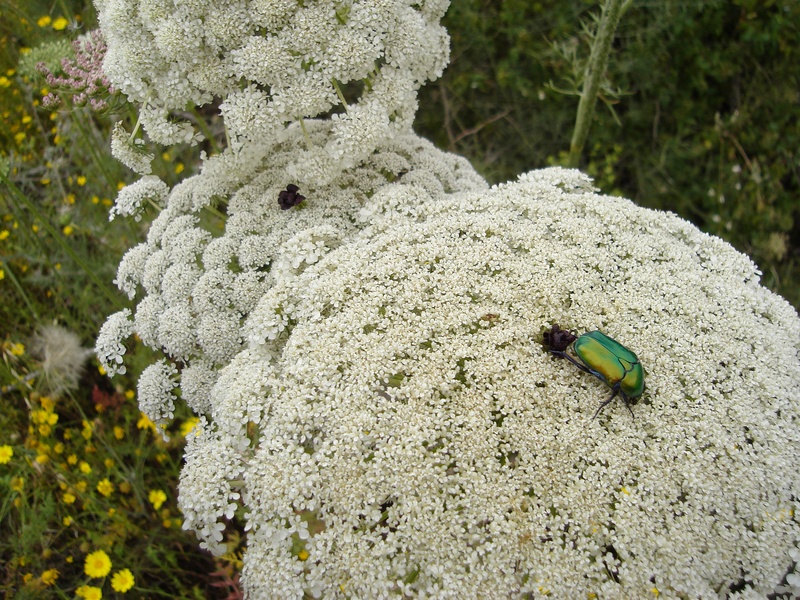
(289, 197)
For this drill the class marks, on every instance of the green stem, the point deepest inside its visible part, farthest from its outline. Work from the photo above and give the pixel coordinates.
(309, 144)
(17, 284)
(598, 59)
(213, 210)
(340, 94)
(206, 131)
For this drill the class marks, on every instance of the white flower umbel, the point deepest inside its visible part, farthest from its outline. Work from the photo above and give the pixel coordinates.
(130, 152)
(197, 286)
(109, 348)
(406, 433)
(131, 198)
(274, 63)
(156, 399)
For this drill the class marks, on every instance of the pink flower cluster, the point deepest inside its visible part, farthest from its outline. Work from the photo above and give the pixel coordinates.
(85, 80)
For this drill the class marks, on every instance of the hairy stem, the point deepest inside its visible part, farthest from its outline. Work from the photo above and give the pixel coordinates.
(598, 59)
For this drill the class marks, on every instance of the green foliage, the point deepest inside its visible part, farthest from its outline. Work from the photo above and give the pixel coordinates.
(705, 119)
(87, 473)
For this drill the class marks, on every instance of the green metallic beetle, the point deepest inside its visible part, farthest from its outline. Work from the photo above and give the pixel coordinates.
(605, 358)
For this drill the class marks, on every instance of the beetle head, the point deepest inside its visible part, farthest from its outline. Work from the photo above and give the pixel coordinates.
(557, 339)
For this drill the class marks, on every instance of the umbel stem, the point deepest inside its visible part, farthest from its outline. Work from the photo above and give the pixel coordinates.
(598, 59)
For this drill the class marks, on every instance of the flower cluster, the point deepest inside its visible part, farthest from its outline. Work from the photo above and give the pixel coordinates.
(273, 63)
(363, 340)
(130, 151)
(401, 430)
(131, 199)
(198, 289)
(84, 77)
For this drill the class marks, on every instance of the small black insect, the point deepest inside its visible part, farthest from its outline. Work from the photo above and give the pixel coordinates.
(289, 197)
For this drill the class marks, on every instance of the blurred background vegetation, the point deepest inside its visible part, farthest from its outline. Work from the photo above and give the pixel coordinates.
(699, 115)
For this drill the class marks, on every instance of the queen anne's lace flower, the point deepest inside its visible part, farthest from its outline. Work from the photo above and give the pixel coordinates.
(198, 290)
(273, 63)
(368, 365)
(131, 198)
(156, 399)
(432, 447)
(109, 348)
(206, 493)
(130, 152)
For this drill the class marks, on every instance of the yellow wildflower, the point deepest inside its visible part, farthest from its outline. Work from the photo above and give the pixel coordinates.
(97, 564)
(157, 498)
(49, 577)
(89, 592)
(60, 23)
(122, 581)
(44, 21)
(6, 452)
(144, 422)
(105, 487)
(188, 425)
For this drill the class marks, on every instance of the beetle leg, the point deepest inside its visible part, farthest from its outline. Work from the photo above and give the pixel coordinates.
(614, 395)
(583, 368)
(627, 403)
(607, 402)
